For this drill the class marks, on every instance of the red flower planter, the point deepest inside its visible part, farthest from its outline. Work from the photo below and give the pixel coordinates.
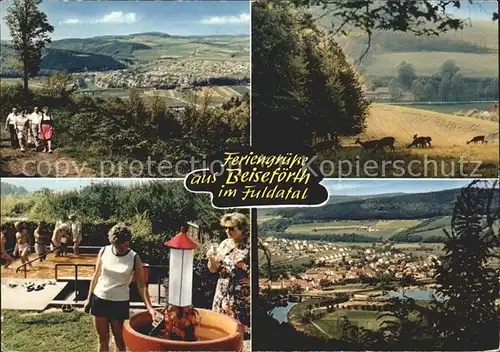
(215, 332)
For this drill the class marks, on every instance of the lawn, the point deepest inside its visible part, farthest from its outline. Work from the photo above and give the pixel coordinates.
(29, 331)
(331, 323)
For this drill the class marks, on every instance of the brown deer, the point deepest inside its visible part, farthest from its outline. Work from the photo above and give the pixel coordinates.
(419, 141)
(427, 141)
(386, 142)
(326, 145)
(477, 139)
(377, 144)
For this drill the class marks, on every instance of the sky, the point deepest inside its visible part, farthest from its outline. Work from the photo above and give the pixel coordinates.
(83, 19)
(335, 186)
(376, 186)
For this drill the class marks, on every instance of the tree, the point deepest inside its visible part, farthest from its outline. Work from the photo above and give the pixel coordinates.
(311, 90)
(59, 85)
(29, 29)
(448, 69)
(395, 89)
(457, 87)
(82, 84)
(429, 92)
(406, 74)
(468, 320)
(444, 88)
(417, 89)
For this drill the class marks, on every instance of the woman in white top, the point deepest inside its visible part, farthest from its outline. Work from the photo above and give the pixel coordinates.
(108, 298)
(22, 125)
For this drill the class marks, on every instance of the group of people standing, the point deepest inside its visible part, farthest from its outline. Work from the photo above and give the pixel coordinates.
(36, 128)
(67, 231)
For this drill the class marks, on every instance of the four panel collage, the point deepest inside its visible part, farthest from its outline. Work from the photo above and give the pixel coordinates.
(266, 175)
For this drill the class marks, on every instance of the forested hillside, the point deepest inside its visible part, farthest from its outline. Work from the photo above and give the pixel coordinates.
(407, 206)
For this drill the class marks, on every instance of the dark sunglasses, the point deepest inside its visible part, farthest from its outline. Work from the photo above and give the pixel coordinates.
(230, 228)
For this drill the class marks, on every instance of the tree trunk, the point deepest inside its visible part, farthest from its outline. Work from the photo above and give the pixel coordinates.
(25, 87)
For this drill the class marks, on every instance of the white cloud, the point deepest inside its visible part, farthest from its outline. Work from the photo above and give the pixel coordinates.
(243, 18)
(118, 17)
(113, 17)
(71, 21)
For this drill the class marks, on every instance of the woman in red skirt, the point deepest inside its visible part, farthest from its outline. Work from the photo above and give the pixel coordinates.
(46, 130)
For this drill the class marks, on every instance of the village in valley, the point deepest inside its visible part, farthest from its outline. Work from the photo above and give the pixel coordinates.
(330, 264)
(171, 74)
(351, 261)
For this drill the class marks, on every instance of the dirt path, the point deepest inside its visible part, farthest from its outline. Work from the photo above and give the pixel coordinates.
(320, 329)
(13, 162)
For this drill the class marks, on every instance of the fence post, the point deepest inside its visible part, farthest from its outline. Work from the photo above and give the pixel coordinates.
(159, 289)
(76, 281)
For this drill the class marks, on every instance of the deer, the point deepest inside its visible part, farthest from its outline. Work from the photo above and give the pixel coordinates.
(419, 141)
(377, 143)
(477, 139)
(326, 145)
(427, 141)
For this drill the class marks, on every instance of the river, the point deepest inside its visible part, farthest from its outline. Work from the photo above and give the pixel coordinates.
(281, 313)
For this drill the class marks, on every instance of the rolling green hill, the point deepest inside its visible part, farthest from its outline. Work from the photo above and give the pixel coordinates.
(407, 206)
(143, 47)
(475, 48)
(403, 218)
(99, 46)
(149, 50)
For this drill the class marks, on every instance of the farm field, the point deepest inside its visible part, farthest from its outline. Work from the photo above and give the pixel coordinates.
(450, 108)
(264, 218)
(428, 63)
(33, 83)
(445, 130)
(375, 228)
(219, 94)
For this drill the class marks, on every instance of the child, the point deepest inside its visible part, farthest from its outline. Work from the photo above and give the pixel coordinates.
(5, 256)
